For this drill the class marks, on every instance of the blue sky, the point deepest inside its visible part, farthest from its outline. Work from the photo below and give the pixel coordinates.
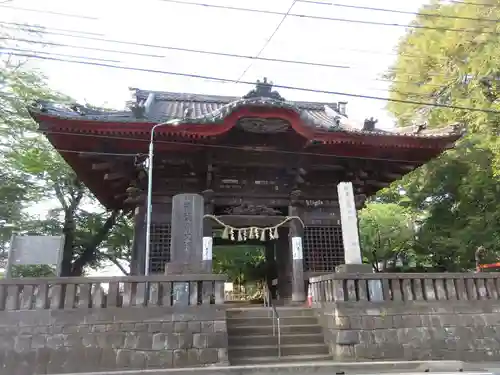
(162, 23)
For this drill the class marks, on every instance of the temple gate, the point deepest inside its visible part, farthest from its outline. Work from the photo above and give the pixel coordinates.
(258, 161)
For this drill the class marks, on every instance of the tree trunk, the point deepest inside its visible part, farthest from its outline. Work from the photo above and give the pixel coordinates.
(69, 237)
(90, 252)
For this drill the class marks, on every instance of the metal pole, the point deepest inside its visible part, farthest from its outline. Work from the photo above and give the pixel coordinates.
(149, 198)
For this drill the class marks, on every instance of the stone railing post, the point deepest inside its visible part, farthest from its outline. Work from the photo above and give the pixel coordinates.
(404, 288)
(114, 292)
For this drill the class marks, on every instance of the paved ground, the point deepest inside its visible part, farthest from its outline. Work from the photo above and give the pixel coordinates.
(332, 368)
(488, 366)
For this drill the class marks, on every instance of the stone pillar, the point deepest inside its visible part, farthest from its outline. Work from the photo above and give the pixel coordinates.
(208, 241)
(186, 246)
(349, 220)
(295, 235)
(350, 232)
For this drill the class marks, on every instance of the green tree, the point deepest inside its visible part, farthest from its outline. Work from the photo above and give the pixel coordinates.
(387, 233)
(32, 172)
(457, 194)
(241, 263)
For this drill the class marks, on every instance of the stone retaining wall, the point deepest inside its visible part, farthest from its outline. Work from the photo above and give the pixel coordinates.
(410, 316)
(429, 331)
(60, 341)
(79, 324)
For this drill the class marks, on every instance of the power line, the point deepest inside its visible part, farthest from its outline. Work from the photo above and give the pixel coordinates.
(123, 42)
(54, 44)
(239, 148)
(41, 28)
(396, 11)
(56, 54)
(323, 18)
(181, 49)
(105, 60)
(158, 56)
(48, 12)
(96, 153)
(370, 52)
(48, 32)
(229, 80)
(269, 39)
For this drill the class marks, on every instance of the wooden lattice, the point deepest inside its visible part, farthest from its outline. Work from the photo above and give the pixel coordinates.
(323, 248)
(160, 247)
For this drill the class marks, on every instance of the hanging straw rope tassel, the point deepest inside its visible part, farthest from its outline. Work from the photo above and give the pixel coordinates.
(251, 232)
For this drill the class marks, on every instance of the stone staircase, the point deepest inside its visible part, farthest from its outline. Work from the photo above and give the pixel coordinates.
(251, 340)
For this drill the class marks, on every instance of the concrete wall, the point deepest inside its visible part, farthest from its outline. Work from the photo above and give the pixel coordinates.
(84, 340)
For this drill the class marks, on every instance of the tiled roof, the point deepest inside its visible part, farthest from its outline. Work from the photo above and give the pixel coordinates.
(159, 106)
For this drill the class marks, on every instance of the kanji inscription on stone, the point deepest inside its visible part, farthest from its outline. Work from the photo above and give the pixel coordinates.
(186, 246)
(349, 219)
(187, 229)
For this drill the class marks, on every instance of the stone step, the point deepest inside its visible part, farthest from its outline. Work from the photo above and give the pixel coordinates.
(246, 330)
(309, 359)
(303, 358)
(284, 321)
(315, 338)
(272, 350)
(264, 312)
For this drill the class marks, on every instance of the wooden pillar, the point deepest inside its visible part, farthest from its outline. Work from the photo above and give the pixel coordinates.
(283, 265)
(138, 263)
(295, 235)
(271, 271)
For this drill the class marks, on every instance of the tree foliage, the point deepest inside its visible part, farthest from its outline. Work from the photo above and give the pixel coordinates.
(34, 172)
(457, 195)
(387, 233)
(241, 263)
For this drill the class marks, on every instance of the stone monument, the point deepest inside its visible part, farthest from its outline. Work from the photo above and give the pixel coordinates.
(186, 246)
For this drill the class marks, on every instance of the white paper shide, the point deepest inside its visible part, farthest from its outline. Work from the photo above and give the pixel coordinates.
(297, 248)
(207, 248)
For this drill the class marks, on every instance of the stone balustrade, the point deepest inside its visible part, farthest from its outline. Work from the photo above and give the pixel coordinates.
(111, 292)
(89, 324)
(386, 287)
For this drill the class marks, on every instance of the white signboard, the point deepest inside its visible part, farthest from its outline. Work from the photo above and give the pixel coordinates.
(297, 248)
(35, 250)
(207, 248)
(349, 220)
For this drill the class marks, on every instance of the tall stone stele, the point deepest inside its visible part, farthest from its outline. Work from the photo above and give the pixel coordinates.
(186, 246)
(187, 255)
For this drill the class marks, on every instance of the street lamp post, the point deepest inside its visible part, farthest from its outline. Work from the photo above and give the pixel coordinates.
(150, 196)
